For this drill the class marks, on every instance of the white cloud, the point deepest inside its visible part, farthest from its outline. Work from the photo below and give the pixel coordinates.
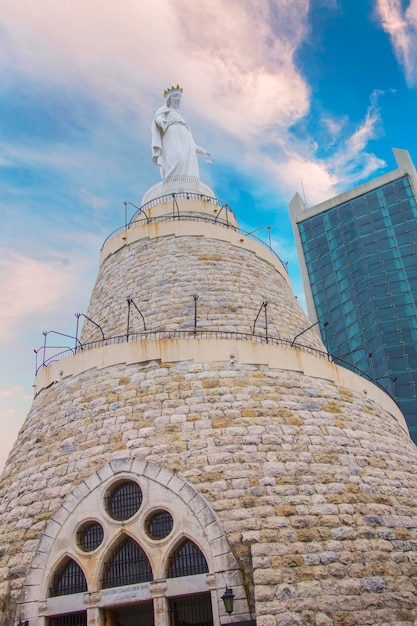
(309, 176)
(242, 91)
(235, 60)
(239, 54)
(11, 392)
(297, 166)
(27, 286)
(244, 62)
(352, 162)
(401, 25)
(31, 286)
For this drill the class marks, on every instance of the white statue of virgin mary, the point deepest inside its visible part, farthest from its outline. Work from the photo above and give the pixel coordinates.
(173, 147)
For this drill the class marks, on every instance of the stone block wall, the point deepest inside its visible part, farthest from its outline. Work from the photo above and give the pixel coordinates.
(315, 485)
(313, 481)
(163, 274)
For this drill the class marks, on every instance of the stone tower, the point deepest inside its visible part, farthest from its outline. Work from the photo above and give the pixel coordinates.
(201, 440)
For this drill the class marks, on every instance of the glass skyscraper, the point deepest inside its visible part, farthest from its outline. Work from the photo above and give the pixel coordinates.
(358, 255)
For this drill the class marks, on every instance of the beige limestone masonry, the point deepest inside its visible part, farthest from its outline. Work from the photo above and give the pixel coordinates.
(162, 275)
(192, 516)
(306, 468)
(315, 484)
(211, 350)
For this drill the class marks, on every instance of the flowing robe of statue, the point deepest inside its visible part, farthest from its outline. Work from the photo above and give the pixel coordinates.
(173, 149)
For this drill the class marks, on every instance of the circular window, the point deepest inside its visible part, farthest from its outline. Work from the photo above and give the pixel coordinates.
(90, 536)
(123, 500)
(159, 525)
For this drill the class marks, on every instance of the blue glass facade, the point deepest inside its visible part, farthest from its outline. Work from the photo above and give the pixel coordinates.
(361, 258)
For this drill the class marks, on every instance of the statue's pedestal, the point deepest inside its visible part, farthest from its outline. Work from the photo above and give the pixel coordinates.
(177, 184)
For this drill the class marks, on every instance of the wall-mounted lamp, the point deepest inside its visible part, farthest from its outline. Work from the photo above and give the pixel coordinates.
(228, 598)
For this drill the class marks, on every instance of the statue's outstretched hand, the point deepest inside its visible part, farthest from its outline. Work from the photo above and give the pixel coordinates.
(161, 121)
(207, 157)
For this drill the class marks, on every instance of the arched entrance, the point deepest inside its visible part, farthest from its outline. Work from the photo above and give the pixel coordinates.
(150, 549)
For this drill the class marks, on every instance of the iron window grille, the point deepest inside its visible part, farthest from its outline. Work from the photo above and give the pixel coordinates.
(123, 500)
(90, 536)
(188, 560)
(128, 565)
(159, 525)
(68, 579)
(74, 619)
(192, 610)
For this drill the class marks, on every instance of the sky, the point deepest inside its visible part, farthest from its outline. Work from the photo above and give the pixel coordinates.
(288, 96)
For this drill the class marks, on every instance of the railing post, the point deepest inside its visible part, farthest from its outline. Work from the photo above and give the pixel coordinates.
(265, 304)
(44, 348)
(195, 296)
(128, 318)
(77, 315)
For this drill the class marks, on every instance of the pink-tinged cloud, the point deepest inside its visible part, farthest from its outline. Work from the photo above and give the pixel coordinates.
(235, 60)
(29, 286)
(15, 390)
(401, 25)
(243, 56)
(317, 179)
(238, 54)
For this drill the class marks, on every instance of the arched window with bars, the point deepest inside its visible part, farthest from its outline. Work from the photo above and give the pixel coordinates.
(122, 536)
(127, 565)
(68, 578)
(187, 560)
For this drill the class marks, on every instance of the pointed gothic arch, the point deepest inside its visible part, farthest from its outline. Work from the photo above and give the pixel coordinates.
(67, 579)
(186, 560)
(193, 520)
(126, 564)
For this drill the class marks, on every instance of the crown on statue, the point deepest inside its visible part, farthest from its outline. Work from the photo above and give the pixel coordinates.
(168, 90)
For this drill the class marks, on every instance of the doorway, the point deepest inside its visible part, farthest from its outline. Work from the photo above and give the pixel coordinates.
(140, 614)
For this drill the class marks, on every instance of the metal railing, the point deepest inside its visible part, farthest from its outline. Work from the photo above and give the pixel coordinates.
(140, 218)
(181, 195)
(159, 335)
(176, 334)
(194, 333)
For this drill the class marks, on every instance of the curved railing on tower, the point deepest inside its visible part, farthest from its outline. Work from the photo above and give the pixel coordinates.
(222, 217)
(173, 334)
(202, 334)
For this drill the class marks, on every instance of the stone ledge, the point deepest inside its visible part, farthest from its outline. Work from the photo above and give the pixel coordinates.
(184, 228)
(217, 350)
